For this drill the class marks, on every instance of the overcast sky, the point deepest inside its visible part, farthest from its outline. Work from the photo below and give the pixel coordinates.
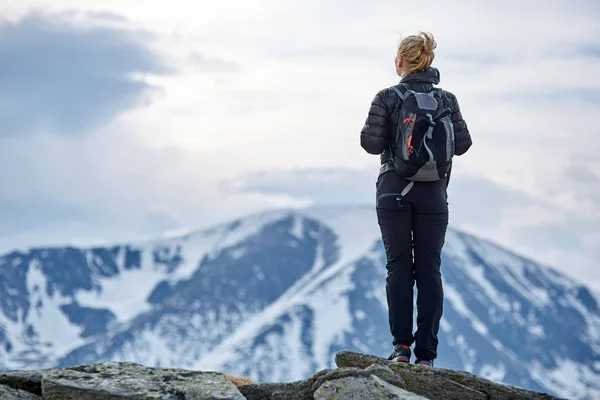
(123, 120)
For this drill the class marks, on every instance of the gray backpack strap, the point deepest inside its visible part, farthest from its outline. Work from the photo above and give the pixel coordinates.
(407, 188)
(405, 191)
(399, 92)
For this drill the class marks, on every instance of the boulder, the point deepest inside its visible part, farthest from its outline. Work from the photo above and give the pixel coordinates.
(29, 381)
(439, 383)
(130, 381)
(8, 393)
(360, 388)
(337, 384)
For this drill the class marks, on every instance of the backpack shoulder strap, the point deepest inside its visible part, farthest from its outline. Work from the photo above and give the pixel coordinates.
(400, 90)
(443, 112)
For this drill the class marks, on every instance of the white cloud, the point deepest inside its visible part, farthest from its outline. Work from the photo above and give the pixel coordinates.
(286, 85)
(109, 188)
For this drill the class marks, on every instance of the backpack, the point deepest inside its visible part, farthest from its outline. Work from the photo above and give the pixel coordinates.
(425, 136)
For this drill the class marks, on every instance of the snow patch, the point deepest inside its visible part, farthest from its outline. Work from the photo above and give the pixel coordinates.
(238, 253)
(536, 330)
(459, 305)
(177, 233)
(298, 228)
(125, 294)
(445, 326)
(360, 315)
(240, 230)
(569, 379)
(327, 301)
(509, 266)
(494, 373)
(477, 275)
(467, 354)
(293, 350)
(50, 323)
(346, 223)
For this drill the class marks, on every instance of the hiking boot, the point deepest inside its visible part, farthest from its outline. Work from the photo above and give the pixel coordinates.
(425, 363)
(401, 354)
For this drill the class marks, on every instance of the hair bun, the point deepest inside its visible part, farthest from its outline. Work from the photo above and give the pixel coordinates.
(417, 51)
(428, 43)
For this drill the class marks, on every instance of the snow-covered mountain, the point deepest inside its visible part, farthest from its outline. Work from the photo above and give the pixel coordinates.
(275, 295)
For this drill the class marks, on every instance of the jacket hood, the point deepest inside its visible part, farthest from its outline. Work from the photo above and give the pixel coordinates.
(432, 75)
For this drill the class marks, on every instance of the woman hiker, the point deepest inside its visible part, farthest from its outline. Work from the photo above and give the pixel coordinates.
(412, 201)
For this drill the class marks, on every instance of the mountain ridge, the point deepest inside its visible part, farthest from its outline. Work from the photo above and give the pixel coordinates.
(255, 295)
(309, 211)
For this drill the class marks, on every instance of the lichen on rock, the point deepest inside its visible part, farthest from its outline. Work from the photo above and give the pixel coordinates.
(361, 388)
(133, 381)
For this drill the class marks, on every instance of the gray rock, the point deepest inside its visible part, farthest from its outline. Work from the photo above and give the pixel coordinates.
(358, 376)
(439, 383)
(385, 373)
(306, 389)
(361, 388)
(7, 393)
(400, 393)
(130, 381)
(29, 381)
(277, 391)
(299, 390)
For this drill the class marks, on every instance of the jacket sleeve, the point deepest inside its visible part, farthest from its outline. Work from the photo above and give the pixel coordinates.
(462, 137)
(374, 136)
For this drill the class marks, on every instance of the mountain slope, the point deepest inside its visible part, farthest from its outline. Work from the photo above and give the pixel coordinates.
(275, 295)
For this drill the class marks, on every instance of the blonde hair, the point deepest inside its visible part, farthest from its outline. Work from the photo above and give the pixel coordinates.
(417, 52)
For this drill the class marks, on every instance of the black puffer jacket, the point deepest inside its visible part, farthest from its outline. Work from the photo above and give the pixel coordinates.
(380, 127)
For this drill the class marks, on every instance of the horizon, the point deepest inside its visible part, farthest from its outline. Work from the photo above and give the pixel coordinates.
(185, 234)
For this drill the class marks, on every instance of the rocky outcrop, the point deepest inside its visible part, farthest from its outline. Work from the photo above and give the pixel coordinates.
(8, 393)
(442, 384)
(359, 377)
(363, 377)
(122, 381)
(28, 381)
(364, 386)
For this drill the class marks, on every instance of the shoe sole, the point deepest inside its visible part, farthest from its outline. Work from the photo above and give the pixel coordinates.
(401, 359)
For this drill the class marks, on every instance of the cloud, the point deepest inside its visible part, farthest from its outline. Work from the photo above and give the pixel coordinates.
(322, 186)
(64, 75)
(585, 171)
(110, 188)
(591, 51)
(33, 214)
(285, 88)
(204, 63)
(542, 237)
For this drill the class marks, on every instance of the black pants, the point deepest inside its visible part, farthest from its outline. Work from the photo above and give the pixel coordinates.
(413, 230)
